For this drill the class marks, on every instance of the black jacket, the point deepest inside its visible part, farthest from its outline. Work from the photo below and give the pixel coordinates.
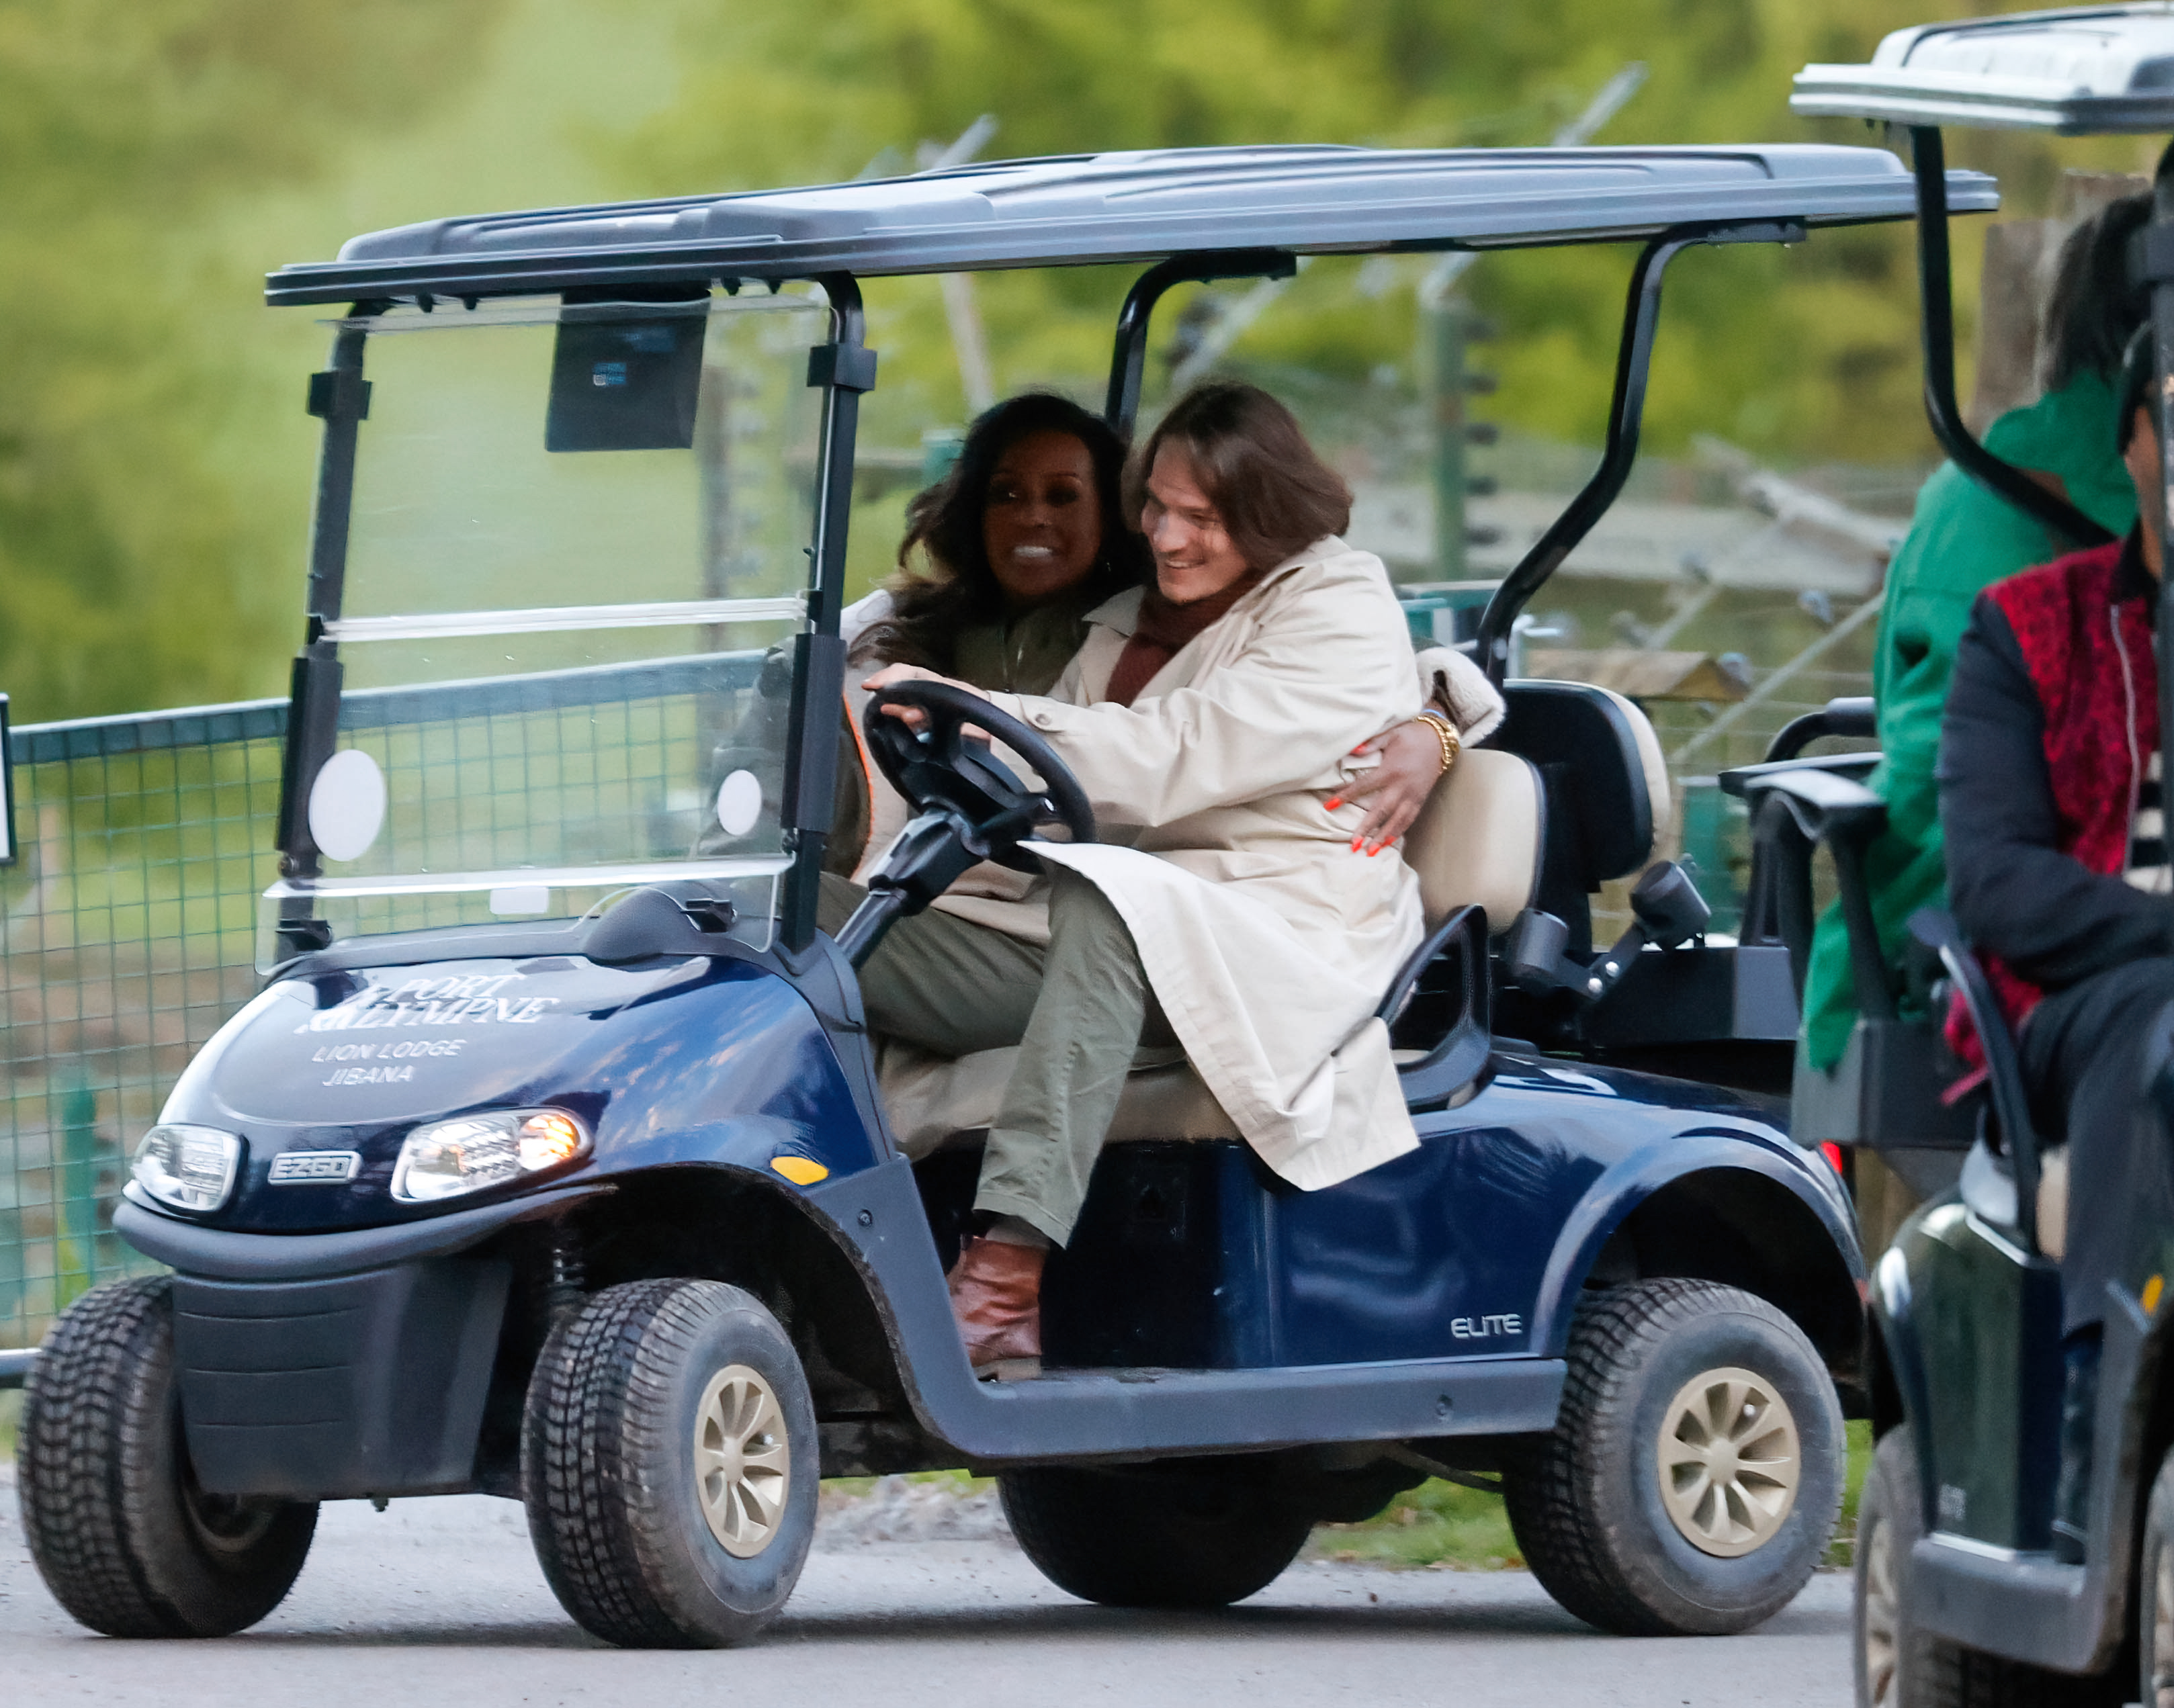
(2013, 893)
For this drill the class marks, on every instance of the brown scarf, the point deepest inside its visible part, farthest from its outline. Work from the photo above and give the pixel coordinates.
(1165, 630)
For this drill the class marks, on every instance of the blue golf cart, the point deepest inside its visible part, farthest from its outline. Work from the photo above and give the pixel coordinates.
(554, 1159)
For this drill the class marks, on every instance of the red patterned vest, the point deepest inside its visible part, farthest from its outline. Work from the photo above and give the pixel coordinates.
(2091, 659)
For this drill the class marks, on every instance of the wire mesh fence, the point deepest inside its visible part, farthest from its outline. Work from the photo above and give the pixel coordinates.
(130, 928)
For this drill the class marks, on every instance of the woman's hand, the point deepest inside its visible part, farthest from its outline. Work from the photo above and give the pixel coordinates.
(912, 716)
(1398, 788)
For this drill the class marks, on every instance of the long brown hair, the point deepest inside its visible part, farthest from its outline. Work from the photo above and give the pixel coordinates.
(956, 587)
(1274, 493)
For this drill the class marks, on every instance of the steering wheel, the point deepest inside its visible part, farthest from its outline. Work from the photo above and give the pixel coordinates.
(942, 767)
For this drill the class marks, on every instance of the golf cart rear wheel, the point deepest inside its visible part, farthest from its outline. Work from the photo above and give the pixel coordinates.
(1694, 1472)
(1194, 1534)
(669, 1467)
(123, 1537)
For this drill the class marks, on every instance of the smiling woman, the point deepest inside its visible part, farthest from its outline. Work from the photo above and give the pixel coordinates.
(1003, 560)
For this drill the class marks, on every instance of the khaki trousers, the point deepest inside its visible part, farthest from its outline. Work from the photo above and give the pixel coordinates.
(1078, 1010)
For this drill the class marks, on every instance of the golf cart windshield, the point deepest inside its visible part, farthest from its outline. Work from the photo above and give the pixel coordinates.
(577, 531)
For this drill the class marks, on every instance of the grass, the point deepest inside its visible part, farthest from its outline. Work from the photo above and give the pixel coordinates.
(964, 1484)
(1439, 1524)
(11, 1408)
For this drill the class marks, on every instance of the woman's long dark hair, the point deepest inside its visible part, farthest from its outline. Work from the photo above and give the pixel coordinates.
(2094, 305)
(957, 588)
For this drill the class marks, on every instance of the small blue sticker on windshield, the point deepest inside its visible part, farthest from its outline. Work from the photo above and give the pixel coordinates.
(608, 374)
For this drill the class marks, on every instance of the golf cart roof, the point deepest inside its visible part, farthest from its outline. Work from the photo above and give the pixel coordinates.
(2087, 72)
(1082, 209)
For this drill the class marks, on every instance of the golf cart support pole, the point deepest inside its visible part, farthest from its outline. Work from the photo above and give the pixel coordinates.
(1929, 161)
(1626, 411)
(1129, 361)
(844, 368)
(340, 397)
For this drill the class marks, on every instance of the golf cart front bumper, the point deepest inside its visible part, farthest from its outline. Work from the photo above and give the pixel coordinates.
(331, 1366)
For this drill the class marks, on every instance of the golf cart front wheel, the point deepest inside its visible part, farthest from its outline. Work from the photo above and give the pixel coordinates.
(1693, 1477)
(669, 1465)
(125, 1539)
(1193, 1534)
(1897, 1664)
(2155, 1594)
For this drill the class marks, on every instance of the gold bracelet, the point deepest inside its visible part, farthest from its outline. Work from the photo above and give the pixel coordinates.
(1445, 732)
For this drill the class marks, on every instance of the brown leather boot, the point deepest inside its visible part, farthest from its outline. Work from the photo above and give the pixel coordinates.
(996, 1294)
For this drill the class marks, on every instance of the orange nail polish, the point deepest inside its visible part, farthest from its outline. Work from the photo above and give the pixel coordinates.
(1376, 849)
(1355, 842)
(1333, 802)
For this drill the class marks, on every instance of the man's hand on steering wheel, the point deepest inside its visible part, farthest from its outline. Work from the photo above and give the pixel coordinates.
(912, 716)
(918, 727)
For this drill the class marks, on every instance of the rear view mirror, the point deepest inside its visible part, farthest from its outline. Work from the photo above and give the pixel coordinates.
(620, 382)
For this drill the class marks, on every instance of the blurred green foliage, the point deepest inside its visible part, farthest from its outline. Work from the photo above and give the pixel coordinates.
(140, 563)
(1809, 352)
(155, 461)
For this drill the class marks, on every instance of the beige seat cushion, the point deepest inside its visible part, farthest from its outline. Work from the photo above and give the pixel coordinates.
(2053, 1202)
(1479, 838)
(932, 1101)
(1651, 760)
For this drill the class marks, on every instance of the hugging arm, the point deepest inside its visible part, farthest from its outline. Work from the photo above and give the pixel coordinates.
(1411, 751)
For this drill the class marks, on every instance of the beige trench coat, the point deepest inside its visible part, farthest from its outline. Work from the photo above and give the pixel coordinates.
(1268, 941)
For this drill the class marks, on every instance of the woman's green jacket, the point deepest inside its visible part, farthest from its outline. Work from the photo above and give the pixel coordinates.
(1962, 539)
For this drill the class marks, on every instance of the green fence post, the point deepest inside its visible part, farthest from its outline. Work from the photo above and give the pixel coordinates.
(75, 1219)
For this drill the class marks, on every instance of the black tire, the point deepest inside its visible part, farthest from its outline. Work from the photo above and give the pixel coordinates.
(1586, 1501)
(2155, 1595)
(1193, 1534)
(1892, 1660)
(1895, 1662)
(608, 1471)
(123, 1536)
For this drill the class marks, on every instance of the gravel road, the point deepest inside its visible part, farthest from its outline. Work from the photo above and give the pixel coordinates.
(440, 1601)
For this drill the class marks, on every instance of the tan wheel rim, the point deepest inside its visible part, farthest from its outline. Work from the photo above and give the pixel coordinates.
(742, 1461)
(1729, 1462)
(2162, 1631)
(1883, 1617)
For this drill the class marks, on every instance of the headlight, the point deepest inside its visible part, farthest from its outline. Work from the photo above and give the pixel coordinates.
(192, 1168)
(470, 1151)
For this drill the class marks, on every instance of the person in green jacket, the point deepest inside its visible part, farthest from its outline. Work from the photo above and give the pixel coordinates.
(1963, 538)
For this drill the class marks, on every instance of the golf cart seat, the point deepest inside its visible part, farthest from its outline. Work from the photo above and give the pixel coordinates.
(1606, 783)
(1478, 843)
